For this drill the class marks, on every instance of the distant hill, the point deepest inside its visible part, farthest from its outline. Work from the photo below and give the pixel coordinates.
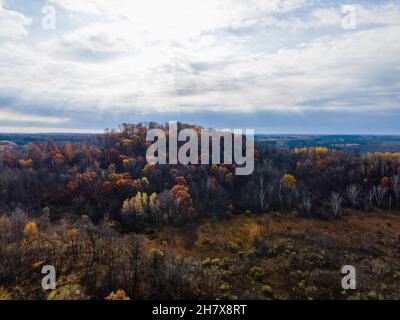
(360, 143)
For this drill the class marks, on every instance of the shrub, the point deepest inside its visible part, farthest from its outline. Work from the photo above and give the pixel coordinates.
(119, 295)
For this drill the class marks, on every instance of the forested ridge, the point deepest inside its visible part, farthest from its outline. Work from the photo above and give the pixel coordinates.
(96, 210)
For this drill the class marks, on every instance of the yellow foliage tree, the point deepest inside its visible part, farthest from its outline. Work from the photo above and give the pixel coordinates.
(31, 229)
(25, 163)
(119, 295)
(73, 232)
(152, 200)
(145, 182)
(289, 180)
(305, 150)
(4, 295)
(137, 205)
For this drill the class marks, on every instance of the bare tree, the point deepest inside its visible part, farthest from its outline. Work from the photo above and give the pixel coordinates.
(265, 184)
(306, 205)
(336, 204)
(261, 192)
(395, 180)
(369, 201)
(353, 193)
(379, 193)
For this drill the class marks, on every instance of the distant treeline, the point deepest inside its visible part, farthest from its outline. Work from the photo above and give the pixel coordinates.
(25, 138)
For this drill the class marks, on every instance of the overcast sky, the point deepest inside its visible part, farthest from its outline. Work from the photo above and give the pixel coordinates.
(276, 66)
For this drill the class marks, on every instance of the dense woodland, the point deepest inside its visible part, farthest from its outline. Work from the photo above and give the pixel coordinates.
(89, 208)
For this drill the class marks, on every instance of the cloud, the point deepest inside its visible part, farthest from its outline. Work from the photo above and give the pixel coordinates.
(205, 74)
(327, 72)
(180, 19)
(385, 14)
(12, 23)
(25, 129)
(80, 6)
(127, 8)
(12, 116)
(144, 59)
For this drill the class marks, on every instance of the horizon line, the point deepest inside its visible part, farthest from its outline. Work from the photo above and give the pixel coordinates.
(101, 131)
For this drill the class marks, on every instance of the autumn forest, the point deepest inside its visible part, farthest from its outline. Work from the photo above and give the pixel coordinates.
(116, 227)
